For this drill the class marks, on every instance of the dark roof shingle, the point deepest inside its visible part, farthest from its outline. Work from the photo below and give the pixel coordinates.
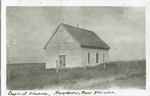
(86, 38)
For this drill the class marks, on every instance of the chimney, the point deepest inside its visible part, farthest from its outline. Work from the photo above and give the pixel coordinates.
(77, 25)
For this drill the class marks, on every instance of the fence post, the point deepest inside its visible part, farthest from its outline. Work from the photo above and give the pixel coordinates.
(118, 63)
(84, 65)
(136, 61)
(104, 64)
(127, 62)
(143, 61)
(56, 66)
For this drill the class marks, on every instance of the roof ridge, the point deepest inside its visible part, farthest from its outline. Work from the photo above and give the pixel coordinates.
(77, 27)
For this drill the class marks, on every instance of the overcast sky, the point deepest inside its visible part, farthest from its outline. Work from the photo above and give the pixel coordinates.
(29, 29)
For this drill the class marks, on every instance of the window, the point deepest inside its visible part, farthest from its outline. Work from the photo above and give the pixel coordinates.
(88, 57)
(96, 57)
(62, 61)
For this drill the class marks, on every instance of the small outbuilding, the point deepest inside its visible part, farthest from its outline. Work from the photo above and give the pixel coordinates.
(72, 46)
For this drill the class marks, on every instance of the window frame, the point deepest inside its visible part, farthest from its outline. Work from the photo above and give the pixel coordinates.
(89, 57)
(97, 57)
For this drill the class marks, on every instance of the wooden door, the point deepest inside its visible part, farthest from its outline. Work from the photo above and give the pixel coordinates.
(62, 61)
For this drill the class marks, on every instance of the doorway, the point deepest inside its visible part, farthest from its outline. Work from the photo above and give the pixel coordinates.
(62, 61)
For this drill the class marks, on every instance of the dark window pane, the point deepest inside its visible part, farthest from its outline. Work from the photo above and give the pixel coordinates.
(88, 57)
(96, 57)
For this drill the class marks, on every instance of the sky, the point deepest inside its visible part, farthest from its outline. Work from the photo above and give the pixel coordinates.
(29, 29)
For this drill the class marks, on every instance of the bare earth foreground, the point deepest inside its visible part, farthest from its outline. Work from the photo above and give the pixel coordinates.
(130, 75)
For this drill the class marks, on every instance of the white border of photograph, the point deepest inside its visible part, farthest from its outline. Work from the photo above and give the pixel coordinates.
(122, 3)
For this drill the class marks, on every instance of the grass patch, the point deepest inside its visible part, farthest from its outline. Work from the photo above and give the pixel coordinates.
(35, 76)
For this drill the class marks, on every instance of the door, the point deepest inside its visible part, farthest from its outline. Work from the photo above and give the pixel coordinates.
(62, 61)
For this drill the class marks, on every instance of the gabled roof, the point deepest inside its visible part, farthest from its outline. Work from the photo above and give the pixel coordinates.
(86, 38)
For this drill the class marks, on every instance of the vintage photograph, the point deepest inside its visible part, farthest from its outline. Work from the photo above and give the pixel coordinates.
(76, 48)
(0, 48)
